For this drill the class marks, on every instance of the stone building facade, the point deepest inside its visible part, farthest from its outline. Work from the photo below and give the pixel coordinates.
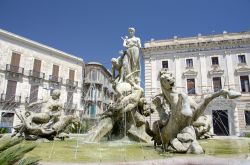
(98, 91)
(29, 71)
(201, 65)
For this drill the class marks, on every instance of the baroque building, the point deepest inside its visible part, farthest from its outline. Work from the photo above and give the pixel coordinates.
(29, 71)
(202, 65)
(98, 91)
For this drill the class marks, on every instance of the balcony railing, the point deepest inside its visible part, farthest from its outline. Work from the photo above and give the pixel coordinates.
(55, 79)
(5, 98)
(36, 74)
(90, 81)
(71, 83)
(14, 69)
(70, 106)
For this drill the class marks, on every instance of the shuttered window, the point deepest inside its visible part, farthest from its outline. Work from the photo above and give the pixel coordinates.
(15, 59)
(55, 71)
(34, 93)
(69, 98)
(217, 84)
(37, 65)
(72, 75)
(11, 90)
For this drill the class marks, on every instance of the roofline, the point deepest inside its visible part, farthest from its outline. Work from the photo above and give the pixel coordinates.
(100, 65)
(38, 45)
(195, 37)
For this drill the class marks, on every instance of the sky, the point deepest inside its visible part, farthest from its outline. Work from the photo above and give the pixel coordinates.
(92, 29)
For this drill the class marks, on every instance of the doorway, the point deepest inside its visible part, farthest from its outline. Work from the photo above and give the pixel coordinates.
(220, 122)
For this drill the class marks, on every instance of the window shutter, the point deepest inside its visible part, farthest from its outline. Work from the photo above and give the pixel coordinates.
(55, 71)
(71, 75)
(15, 59)
(37, 65)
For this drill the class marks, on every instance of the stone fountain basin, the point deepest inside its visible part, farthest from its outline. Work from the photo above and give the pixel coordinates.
(75, 151)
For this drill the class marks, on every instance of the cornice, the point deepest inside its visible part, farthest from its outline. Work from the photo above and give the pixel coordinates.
(189, 72)
(216, 70)
(201, 46)
(242, 69)
(35, 44)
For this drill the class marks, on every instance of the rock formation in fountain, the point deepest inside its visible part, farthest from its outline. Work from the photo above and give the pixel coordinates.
(46, 124)
(180, 120)
(125, 117)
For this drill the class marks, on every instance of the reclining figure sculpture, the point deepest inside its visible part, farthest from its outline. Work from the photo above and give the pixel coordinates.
(47, 124)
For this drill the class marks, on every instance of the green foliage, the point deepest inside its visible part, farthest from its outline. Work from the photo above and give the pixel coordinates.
(3, 130)
(28, 161)
(247, 135)
(12, 152)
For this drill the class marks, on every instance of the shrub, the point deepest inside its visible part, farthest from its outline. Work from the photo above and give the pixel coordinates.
(3, 130)
(247, 135)
(12, 152)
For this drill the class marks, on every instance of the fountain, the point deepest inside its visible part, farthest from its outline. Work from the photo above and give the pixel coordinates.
(179, 126)
(181, 122)
(130, 106)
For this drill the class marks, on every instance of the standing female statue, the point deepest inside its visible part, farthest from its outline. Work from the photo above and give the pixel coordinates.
(133, 45)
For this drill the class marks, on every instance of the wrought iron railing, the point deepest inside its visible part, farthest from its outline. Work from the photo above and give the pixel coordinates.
(56, 79)
(10, 98)
(71, 83)
(36, 74)
(70, 106)
(14, 69)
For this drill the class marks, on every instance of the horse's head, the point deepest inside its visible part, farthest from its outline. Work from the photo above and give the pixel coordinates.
(166, 79)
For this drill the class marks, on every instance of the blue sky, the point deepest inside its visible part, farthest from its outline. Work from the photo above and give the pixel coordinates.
(92, 29)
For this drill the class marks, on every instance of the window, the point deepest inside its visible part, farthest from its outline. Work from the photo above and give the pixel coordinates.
(191, 86)
(215, 61)
(33, 93)
(7, 119)
(247, 117)
(11, 90)
(36, 68)
(242, 59)
(165, 64)
(189, 63)
(55, 70)
(92, 110)
(70, 98)
(37, 65)
(217, 84)
(93, 75)
(15, 59)
(71, 75)
(244, 82)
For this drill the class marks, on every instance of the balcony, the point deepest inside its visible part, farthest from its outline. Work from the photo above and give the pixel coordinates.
(71, 83)
(5, 98)
(55, 79)
(90, 81)
(14, 69)
(14, 72)
(36, 74)
(70, 106)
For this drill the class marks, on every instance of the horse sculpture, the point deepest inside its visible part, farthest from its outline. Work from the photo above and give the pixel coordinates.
(174, 131)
